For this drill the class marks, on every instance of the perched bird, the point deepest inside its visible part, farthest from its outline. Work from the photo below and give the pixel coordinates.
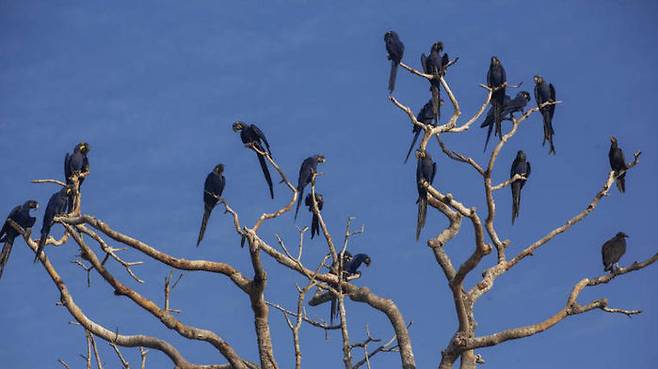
(545, 92)
(510, 106)
(21, 216)
(252, 135)
(435, 64)
(425, 170)
(352, 267)
(333, 309)
(315, 222)
(56, 206)
(395, 49)
(520, 166)
(496, 79)
(617, 163)
(77, 163)
(212, 192)
(425, 116)
(612, 250)
(306, 171)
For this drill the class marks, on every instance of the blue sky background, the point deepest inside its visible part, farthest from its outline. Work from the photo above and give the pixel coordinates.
(154, 86)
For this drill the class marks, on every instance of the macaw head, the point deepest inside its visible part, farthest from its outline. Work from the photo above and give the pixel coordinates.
(238, 126)
(82, 147)
(621, 235)
(31, 204)
(525, 95)
(437, 46)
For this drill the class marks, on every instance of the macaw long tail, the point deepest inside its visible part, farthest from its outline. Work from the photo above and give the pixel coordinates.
(436, 101)
(334, 310)
(315, 226)
(422, 213)
(42, 243)
(204, 222)
(392, 76)
(498, 100)
(266, 173)
(4, 255)
(486, 143)
(516, 200)
(498, 118)
(547, 126)
(413, 143)
(299, 200)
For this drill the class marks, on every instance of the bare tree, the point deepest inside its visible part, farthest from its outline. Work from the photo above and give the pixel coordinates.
(93, 237)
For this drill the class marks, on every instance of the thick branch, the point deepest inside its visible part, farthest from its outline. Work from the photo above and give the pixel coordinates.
(106, 334)
(167, 319)
(571, 308)
(182, 264)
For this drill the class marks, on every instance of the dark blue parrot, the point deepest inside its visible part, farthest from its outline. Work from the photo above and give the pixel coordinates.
(212, 192)
(496, 78)
(355, 262)
(435, 64)
(545, 92)
(20, 215)
(425, 170)
(425, 116)
(351, 265)
(612, 250)
(306, 171)
(617, 163)
(56, 206)
(252, 135)
(315, 221)
(395, 49)
(520, 166)
(76, 164)
(510, 106)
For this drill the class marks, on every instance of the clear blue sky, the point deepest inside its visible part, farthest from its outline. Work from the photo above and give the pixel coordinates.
(154, 86)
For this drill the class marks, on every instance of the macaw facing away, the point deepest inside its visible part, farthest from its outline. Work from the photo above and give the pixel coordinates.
(520, 166)
(395, 49)
(612, 250)
(315, 221)
(57, 205)
(545, 92)
(308, 168)
(496, 79)
(425, 171)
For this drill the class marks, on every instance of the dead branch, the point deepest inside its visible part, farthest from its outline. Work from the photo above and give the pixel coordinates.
(177, 263)
(168, 286)
(169, 321)
(517, 177)
(55, 181)
(124, 363)
(106, 334)
(570, 308)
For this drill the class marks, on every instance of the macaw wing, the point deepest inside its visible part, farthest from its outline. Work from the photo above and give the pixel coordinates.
(261, 136)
